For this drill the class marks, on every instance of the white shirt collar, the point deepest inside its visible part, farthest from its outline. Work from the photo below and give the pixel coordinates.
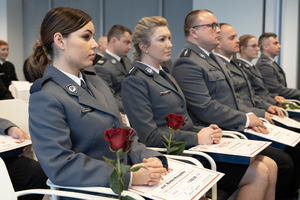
(100, 54)
(206, 52)
(227, 59)
(77, 79)
(154, 69)
(113, 55)
(246, 61)
(1, 62)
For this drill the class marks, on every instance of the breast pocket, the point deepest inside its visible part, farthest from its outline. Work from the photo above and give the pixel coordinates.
(215, 75)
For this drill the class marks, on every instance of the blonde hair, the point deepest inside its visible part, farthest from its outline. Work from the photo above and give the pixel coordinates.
(142, 32)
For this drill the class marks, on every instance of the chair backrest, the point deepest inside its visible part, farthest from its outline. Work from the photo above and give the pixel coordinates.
(16, 111)
(6, 188)
(20, 90)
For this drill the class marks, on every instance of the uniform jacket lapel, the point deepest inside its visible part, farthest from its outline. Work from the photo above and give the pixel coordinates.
(83, 96)
(160, 80)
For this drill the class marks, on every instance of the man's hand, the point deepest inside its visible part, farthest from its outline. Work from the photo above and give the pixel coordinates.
(257, 124)
(276, 109)
(279, 99)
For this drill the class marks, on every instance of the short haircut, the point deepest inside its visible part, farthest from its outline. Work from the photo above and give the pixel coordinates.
(117, 31)
(263, 38)
(2, 42)
(190, 20)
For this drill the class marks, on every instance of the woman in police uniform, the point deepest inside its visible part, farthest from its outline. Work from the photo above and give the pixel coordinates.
(149, 94)
(69, 109)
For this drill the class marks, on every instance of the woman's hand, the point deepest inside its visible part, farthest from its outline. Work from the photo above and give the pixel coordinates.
(210, 135)
(151, 176)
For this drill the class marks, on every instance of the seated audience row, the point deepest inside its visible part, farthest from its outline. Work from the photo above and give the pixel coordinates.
(209, 89)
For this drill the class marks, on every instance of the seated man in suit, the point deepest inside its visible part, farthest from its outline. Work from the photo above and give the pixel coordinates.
(229, 45)
(272, 73)
(114, 64)
(25, 173)
(102, 42)
(209, 90)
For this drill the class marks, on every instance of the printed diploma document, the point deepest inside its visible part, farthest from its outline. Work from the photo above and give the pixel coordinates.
(287, 122)
(8, 143)
(278, 134)
(182, 181)
(238, 147)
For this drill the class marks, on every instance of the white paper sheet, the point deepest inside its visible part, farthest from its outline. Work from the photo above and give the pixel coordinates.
(287, 121)
(278, 134)
(247, 148)
(8, 143)
(182, 182)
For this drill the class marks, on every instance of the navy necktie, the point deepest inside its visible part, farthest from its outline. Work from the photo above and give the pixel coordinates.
(165, 76)
(84, 86)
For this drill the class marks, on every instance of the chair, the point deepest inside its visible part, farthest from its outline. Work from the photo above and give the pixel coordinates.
(20, 90)
(8, 193)
(102, 190)
(16, 111)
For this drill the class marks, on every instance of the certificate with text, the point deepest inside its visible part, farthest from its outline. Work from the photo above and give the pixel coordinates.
(287, 121)
(237, 147)
(8, 143)
(278, 134)
(182, 181)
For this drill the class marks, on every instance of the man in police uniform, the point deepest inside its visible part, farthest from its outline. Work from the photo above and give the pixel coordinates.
(209, 90)
(102, 42)
(229, 45)
(272, 73)
(114, 64)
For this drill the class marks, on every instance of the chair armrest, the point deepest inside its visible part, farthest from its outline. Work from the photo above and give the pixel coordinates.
(58, 193)
(286, 114)
(264, 120)
(293, 101)
(235, 134)
(102, 190)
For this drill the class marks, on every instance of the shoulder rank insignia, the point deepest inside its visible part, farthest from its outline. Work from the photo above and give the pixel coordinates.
(101, 61)
(185, 53)
(37, 85)
(131, 71)
(264, 60)
(71, 88)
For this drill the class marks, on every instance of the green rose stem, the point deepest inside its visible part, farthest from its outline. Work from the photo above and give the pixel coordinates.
(119, 172)
(169, 143)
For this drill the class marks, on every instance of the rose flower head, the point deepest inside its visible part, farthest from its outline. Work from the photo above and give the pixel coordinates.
(175, 121)
(118, 138)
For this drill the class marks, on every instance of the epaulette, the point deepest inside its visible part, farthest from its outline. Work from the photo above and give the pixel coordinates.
(264, 60)
(101, 61)
(37, 85)
(185, 53)
(89, 72)
(131, 71)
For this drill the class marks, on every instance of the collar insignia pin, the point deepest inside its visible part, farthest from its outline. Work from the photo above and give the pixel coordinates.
(72, 88)
(149, 70)
(113, 61)
(203, 56)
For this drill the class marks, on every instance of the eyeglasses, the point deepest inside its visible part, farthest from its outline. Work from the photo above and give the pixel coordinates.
(213, 25)
(254, 46)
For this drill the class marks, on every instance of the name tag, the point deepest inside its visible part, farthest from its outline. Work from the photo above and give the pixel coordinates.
(165, 92)
(85, 110)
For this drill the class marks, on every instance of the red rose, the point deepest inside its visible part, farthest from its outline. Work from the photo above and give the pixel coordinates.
(175, 121)
(118, 138)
